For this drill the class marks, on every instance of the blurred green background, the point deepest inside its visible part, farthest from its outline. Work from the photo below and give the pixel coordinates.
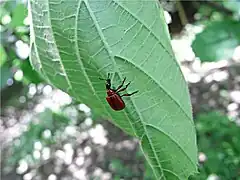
(45, 134)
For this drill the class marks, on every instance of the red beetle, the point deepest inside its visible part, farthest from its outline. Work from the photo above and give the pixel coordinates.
(113, 98)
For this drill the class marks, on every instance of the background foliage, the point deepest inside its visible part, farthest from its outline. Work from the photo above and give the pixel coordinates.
(44, 137)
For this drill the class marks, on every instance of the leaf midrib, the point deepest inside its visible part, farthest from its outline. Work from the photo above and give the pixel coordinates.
(113, 60)
(79, 58)
(166, 92)
(109, 52)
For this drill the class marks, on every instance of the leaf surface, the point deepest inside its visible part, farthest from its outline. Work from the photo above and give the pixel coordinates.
(217, 41)
(76, 42)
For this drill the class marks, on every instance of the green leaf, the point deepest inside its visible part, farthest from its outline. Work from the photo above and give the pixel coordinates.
(5, 75)
(9, 6)
(3, 12)
(76, 42)
(232, 5)
(3, 55)
(217, 41)
(30, 75)
(18, 15)
(218, 140)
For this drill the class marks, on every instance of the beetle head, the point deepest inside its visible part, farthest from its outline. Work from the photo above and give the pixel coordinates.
(108, 84)
(108, 81)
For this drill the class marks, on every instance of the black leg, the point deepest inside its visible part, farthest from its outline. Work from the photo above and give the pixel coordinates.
(123, 89)
(129, 94)
(121, 85)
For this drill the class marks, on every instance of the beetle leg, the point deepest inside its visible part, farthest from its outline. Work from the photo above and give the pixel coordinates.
(123, 89)
(129, 94)
(121, 85)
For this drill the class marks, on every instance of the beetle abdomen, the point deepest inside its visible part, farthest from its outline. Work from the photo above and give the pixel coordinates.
(116, 102)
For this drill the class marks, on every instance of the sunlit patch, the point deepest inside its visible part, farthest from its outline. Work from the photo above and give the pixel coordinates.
(196, 65)
(189, 56)
(196, 29)
(52, 177)
(182, 49)
(222, 63)
(79, 160)
(32, 90)
(208, 78)
(47, 134)
(40, 87)
(70, 130)
(220, 76)
(47, 90)
(23, 166)
(61, 98)
(185, 70)
(235, 96)
(39, 108)
(202, 157)
(60, 154)
(80, 174)
(68, 153)
(182, 46)
(212, 177)
(22, 49)
(26, 21)
(193, 77)
(28, 176)
(211, 66)
(46, 153)
(18, 75)
(38, 145)
(232, 107)
(6, 19)
(88, 121)
(48, 103)
(236, 54)
(232, 115)
(36, 154)
(106, 176)
(127, 144)
(87, 150)
(84, 108)
(98, 135)
(167, 17)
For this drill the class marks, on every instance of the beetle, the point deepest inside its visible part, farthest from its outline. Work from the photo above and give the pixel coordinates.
(113, 98)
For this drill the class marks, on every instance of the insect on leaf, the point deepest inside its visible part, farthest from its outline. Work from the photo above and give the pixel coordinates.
(78, 41)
